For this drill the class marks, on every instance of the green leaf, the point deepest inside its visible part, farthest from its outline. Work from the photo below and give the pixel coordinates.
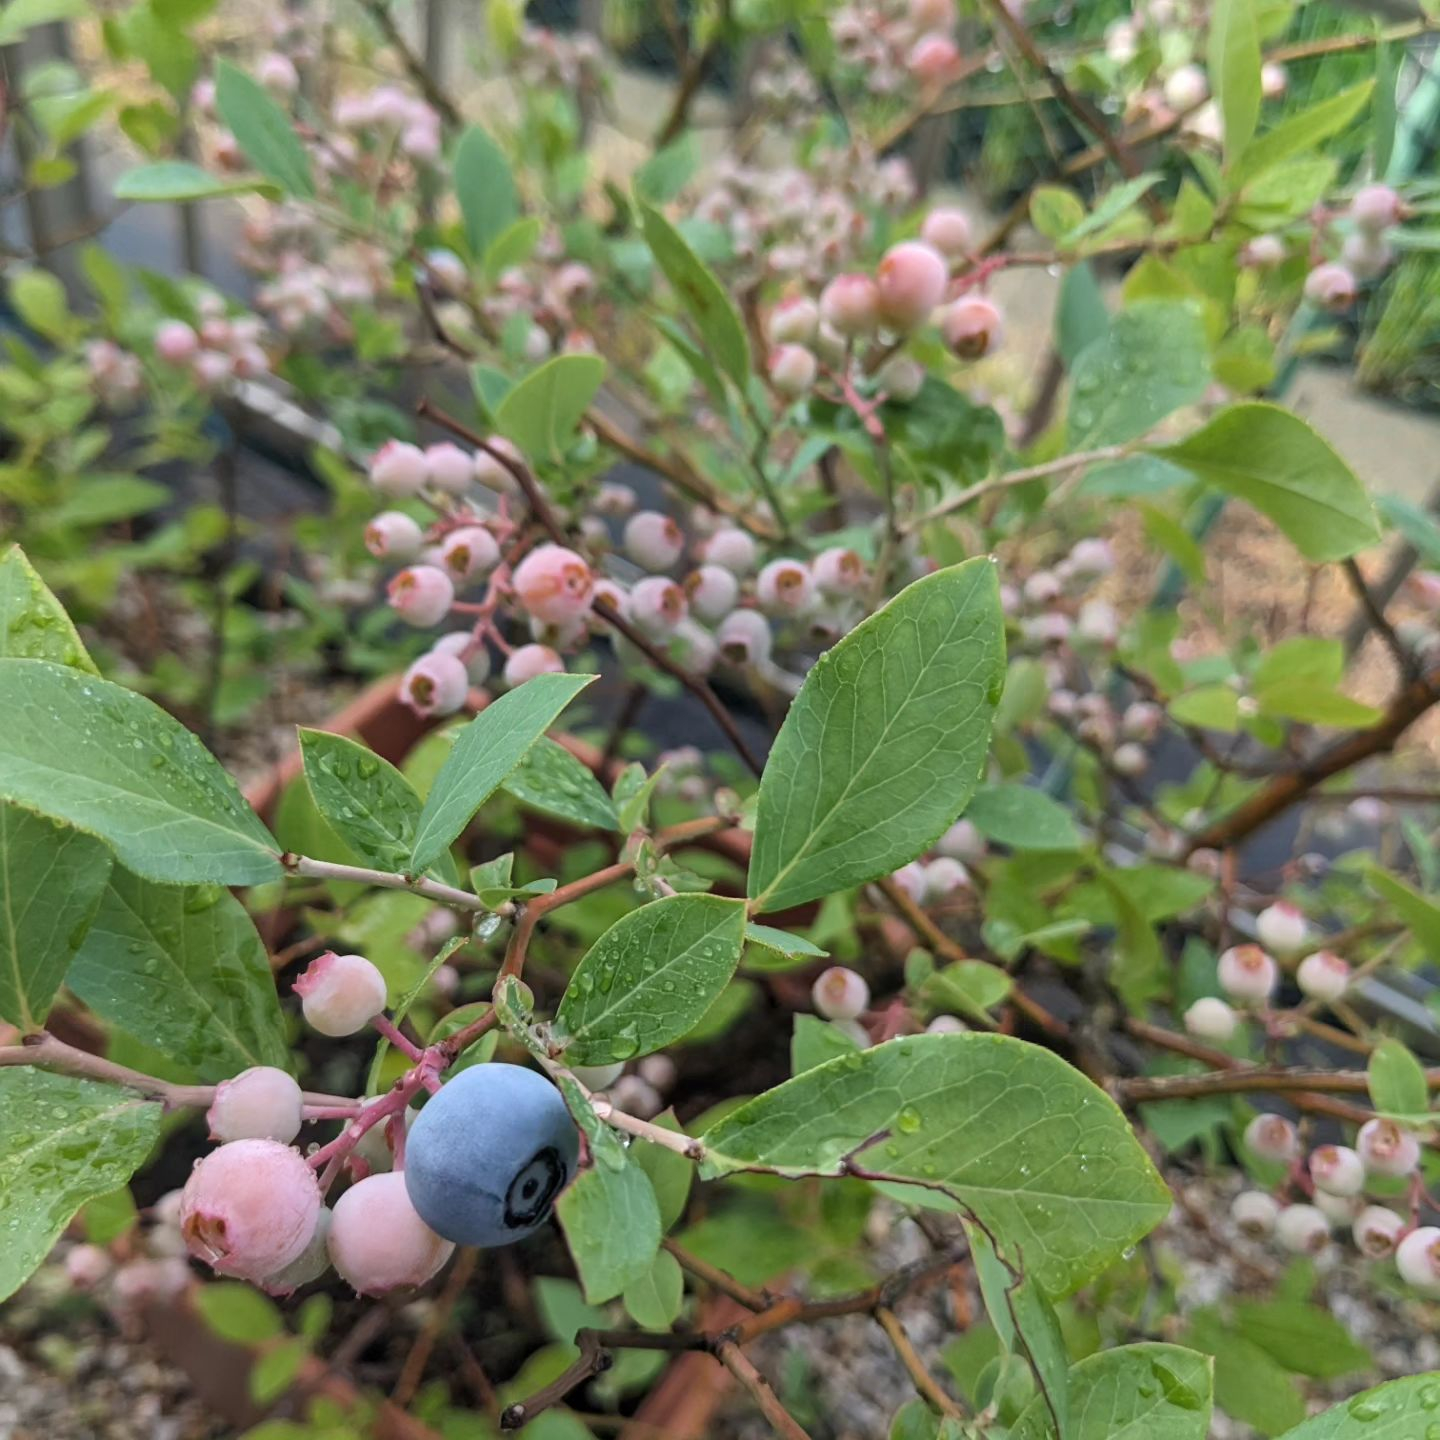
(650, 978)
(1249, 1385)
(1300, 1336)
(1026, 1323)
(1316, 705)
(1418, 911)
(1311, 659)
(183, 969)
(1081, 317)
(1211, 707)
(612, 1226)
(107, 1217)
(484, 754)
(551, 779)
(112, 763)
(237, 1312)
(671, 1175)
(1152, 360)
(1022, 817)
(1116, 202)
(170, 181)
(1275, 461)
(1417, 526)
(33, 623)
(1233, 60)
(702, 295)
(667, 172)
(514, 245)
(63, 1142)
(969, 987)
(816, 1041)
(1055, 210)
(103, 499)
(1397, 1081)
(51, 880)
(262, 130)
(654, 1299)
(1011, 1133)
(885, 742)
(484, 188)
(631, 793)
(1398, 1410)
(1171, 538)
(39, 299)
(369, 804)
(1301, 132)
(772, 949)
(1133, 1392)
(22, 15)
(542, 412)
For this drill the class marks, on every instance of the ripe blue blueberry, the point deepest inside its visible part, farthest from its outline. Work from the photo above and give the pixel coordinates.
(489, 1153)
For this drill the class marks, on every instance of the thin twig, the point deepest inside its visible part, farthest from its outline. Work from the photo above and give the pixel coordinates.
(414, 66)
(1375, 614)
(716, 1278)
(920, 1377)
(781, 1420)
(387, 880)
(593, 1359)
(413, 1370)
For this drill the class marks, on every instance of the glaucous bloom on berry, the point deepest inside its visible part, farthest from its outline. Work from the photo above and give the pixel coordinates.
(972, 327)
(1282, 928)
(261, 1103)
(784, 587)
(528, 661)
(1417, 1257)
(1377, 1231)
(653, 541)
(469, 651)
(910, 283)
(392, 535)
(947, 230)
(340, 994)
(712, 591)
(249, 1208)
(1302, 1229)
(1210, 1018)
(792, 370)
(398, 468)
(732, 549)
(1248, 974)
(1386, 1149)
(471, 550)
(840, 993)
(554, 584)
(421, 595)
(744, 638)
(1274, 1138)
(657, 605)
(451, 468)
(1337, 1170)
(1255, 1213)
(1331, 286)
(838, 572)
(436, 684)
(793, 321)
(1376, 207)
(1323, 976)
(850, 305)
(378, 1242)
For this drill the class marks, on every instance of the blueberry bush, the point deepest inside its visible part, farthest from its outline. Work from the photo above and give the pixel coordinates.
(952, 930)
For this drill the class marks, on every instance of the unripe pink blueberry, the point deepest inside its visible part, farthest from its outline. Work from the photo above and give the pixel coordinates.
(946, 1025)
(1255, 1213)
(784, 587)
(1330, 286)
(86, 1266)
(840, 993)
(712, 591)
(659, 1071)
(436, 684)
(911, 879)
(1282, 928)
(933, 59)
(1142, 720)
(340, 994)
(1337, 1170)
(261, 1103)
(493, 473)
(901, 377)
(793, 321)
(616, 596)
(972, 327)
(277, 73)
(792, 370)
(398, 468)
(910, 283)
(528, 661)
(943, 877)
(147, 1282)
(612, 498)
(1377, 1232)
(1210, 1018)
(744, 637)
(212, 368)
(657, 605)
(652, 540)
(1323, 976)
(850, 305)
(554, 584)
(1186, 87)
(1098, 623)
(635, 1095)
(471, 550)
(1273, 80)
(1302, 1229)
(310, 1264)
(1417, 1257)
(1376, 208)
(1263, 252)
(947, 230)
(421, 594)
(175, 342)
(1130, 759)
(732, 549)
(1366, 256)
(1385, 1149)
(962, 841)
(838, 572)
(1339, 1210)
(451, 469)
(377, 1241)
(1247, 973)
(1042, 587)
(469, 651)
(392, 535)
(1274, 1138)
(250, 1208)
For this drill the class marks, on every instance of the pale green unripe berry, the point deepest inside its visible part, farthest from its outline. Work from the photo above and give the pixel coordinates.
(1255, 1213)
(1302, 1229)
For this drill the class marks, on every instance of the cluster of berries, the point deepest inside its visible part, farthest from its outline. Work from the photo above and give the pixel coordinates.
(1334, 1180)
(890, 46)
(479, 1164)
(1249, 974)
